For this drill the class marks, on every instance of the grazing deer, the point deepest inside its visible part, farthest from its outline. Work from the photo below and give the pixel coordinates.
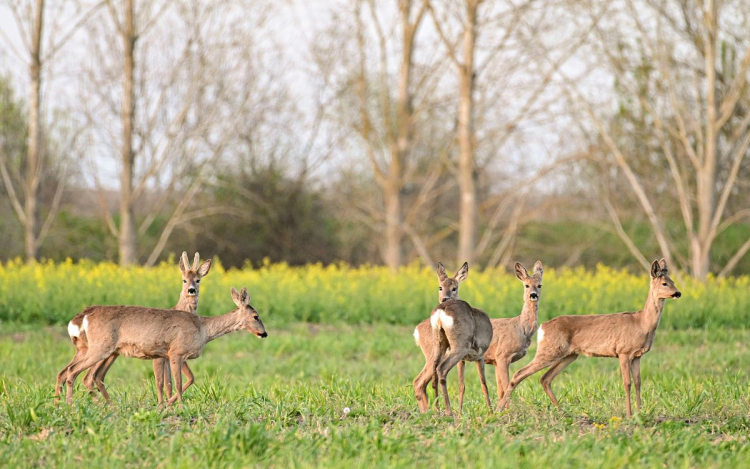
(459, 332)
(447, 290)
(626, 336)
(149, 333)
(511, 337)
(191, 277)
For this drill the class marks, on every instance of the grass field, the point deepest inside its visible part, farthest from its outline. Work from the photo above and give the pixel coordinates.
(280, 403)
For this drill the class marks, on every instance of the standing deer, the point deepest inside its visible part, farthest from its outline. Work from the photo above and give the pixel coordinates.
(459, 332)
(447, 290)
(149, 333)
(191, 278)
(511, 337)
(626, 336)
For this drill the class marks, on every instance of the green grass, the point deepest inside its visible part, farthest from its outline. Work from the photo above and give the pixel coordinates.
(279, 403)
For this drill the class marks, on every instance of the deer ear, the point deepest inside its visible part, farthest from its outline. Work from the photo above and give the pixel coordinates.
(204, 268)
(184, 262)
(462, 273)
(244, 295)
(521, 272)
(663, 266)
(538, 269)
(655, 269)
(236, 297)
(441, 272)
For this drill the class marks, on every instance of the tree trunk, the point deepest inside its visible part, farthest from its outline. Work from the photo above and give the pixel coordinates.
(34, 151)
(466, 163)
(393, 233)
(127, 235)
(706, 179)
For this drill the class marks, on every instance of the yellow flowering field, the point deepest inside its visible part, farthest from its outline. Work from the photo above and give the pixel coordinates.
(50, 293)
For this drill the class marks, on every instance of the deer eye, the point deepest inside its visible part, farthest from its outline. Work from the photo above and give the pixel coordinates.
(184, 281)
(527, 286)
(440, 288)
(198, 281)
(540, 286)
(665, 284)
(255, 317)
(454, 288)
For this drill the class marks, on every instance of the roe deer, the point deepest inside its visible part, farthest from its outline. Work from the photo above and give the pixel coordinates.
(191, 277)
(447, 290)
(149, 333)
(459, 332)
(626, 336)
(511, 337)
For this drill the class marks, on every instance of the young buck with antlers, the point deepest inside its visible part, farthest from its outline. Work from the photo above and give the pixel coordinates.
(457, 332)
(191, 278)
(447, 290)
(149, 333)
(626, 336)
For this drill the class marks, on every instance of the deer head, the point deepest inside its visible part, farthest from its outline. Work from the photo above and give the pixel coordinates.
(533, 283)
(250, 321)
(449, 285)
(191, 275)
(661, 285)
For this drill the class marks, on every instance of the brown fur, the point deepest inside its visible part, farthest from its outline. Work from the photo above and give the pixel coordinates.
(191, 277)
(149, 333)
(457, 332)
(626, 336)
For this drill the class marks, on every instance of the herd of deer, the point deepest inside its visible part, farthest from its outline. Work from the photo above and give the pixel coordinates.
(454, 333)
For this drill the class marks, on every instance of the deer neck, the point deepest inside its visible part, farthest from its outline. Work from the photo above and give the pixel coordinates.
(217, 326)
(529, 316)
(187, 303)
(651, 313)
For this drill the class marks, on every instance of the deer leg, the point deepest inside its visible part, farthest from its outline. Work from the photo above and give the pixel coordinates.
(502, 376)
(91, 358)
(62, 376)
(482, 378)
(189, 373)
(552, 373)
(167, 378)
(535, 365)
(158, 366)
(101, 370)
(175, 364)
(625, 368)
(423, 379)
(460, 368)
(635, 369)
(449, 361)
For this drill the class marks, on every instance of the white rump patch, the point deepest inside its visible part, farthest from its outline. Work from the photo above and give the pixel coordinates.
(85, 324)
(73, 330)
(416, 336)
(440, 318)
(540, 334)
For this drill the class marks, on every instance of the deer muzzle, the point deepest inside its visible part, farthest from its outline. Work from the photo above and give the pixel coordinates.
(677, 295)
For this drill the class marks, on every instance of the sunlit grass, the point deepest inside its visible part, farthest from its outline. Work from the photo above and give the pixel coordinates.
(280, 402)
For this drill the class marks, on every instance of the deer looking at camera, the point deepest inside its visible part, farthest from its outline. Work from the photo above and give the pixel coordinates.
(149, 333)
(191, 278)
(447, 290)
(626, 336)
(511, 337)
(459, 332)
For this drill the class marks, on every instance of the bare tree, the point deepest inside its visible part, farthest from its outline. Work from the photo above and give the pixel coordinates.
(29, 19)
(684, 69)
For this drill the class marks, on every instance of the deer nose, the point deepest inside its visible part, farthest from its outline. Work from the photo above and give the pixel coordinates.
(191, 290)
(263, 335)
(677, 295)
(445, 298)
(534, 296)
